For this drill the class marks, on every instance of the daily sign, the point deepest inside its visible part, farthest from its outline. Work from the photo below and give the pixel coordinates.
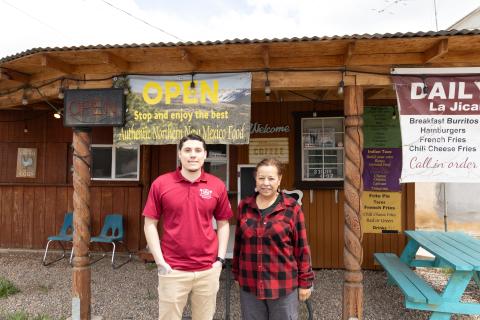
(439, 119)
(454, 92)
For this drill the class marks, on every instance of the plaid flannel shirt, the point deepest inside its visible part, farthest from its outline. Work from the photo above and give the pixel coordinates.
(271, 257)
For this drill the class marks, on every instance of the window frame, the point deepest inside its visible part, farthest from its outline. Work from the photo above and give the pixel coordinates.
(314, 183)
(113, 148)
(221, 160)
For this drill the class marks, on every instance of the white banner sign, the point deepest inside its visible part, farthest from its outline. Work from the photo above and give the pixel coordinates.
(440, 125)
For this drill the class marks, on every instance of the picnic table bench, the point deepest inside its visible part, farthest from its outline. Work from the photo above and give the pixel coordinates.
(452, 250)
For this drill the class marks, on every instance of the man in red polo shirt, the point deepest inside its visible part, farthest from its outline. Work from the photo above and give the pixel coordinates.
(190, 254)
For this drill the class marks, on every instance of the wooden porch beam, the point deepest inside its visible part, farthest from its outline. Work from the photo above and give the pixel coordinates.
(279, 80)
(49, 92)
(371, 92)
(312, 80)
(14, 76)
(266, 57)
(278, 96)
(188, 57)
(349, 53)
(54, 63)
(321, 94)
(119, 63)
(436, 51)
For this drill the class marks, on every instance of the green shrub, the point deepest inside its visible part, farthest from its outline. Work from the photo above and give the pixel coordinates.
(7, 288)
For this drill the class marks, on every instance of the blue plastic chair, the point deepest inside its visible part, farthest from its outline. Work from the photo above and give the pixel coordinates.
(112, 232)
(65, 235)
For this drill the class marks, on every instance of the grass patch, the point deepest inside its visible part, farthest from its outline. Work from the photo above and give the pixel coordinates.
(21, 315)
(151, 295)
(45, 288)
(41, 317)
(150, 266)
(7, 288)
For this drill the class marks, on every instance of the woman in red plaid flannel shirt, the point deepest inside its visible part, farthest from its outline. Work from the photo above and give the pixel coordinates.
(271, 259)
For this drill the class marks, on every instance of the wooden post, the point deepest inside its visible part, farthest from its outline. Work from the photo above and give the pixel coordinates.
(353, 188)
(81, 221)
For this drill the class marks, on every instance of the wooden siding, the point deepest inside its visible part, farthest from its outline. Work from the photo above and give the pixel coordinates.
(324, 210)
(33, 209)
(29, 214)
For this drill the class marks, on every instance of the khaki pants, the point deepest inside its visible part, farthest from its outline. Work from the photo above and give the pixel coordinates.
(173, 290)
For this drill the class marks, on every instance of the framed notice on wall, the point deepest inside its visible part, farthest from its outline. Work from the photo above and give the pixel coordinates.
(261, 148)
(26, 163)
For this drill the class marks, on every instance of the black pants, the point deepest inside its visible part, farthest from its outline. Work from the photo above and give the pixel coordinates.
(283, 308)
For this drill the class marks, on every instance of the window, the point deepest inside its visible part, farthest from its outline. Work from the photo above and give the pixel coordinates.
(320, 152)
(111, 162)
(217, 161)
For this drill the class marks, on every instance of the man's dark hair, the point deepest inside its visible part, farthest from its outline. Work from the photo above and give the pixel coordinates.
(192, 137)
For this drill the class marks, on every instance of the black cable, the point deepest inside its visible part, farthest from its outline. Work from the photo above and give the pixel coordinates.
(325, 102)
(342, 69)
(44, 84)
(145, 22)
(43, 98)
(82, 158)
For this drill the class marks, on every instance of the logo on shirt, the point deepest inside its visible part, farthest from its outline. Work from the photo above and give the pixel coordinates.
(206, 193)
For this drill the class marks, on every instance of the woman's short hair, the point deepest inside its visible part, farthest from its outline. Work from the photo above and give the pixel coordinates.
(271, 162)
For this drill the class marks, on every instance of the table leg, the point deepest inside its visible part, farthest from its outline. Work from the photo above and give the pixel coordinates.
(453, 291)
(456, 285)
(408, 254)
(440, 316)
(476, 276)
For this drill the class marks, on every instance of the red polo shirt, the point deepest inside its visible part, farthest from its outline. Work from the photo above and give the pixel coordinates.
(189, 242)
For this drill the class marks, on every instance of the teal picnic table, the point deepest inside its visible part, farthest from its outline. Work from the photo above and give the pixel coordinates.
(455, 251)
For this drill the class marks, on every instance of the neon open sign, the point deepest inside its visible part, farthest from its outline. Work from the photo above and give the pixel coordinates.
(94, 107)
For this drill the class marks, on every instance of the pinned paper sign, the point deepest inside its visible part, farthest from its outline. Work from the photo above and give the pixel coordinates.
(381, 212)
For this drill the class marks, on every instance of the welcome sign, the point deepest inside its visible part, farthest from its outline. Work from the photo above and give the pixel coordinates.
(163, 109)
(440, 126)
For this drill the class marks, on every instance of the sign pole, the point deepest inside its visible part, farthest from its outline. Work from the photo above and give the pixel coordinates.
(445, 207)
(81, 291)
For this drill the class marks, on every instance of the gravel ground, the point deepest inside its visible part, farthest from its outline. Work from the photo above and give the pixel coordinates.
(130, 292)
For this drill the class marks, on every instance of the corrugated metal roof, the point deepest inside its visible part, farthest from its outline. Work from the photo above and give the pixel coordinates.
(249, 41)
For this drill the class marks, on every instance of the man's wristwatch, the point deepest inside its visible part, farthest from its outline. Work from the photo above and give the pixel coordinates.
(222, 261)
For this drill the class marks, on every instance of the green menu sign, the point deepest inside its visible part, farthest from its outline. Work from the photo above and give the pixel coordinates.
(381, 127)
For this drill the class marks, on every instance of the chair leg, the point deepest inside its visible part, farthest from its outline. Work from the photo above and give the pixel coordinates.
(103, 255)
(44, 261)
(71, 257)
(113, 255)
